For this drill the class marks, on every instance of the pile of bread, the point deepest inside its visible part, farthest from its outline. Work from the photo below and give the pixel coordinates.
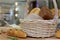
(16, 33)
(44, 13)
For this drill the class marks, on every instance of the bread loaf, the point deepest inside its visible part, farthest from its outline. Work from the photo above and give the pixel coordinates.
(16, 33)
(57, 35)
(46, 14)
(35, 11)
(53, 11)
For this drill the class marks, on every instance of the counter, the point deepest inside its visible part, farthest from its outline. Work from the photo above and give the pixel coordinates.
(4, 37)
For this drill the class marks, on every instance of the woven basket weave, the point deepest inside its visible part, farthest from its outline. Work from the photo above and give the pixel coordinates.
(40, 28)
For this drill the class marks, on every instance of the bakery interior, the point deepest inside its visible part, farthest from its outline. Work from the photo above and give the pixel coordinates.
(29, 19)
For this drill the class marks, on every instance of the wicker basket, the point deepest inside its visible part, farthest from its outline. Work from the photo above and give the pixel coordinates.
(40, 28)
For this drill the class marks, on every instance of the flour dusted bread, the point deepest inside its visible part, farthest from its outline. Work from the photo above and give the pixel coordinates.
(46, 14)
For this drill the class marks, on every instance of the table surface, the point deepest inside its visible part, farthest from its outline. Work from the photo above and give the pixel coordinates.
(4, 37)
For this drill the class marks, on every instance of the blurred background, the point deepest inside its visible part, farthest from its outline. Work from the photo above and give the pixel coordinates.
(22, 7)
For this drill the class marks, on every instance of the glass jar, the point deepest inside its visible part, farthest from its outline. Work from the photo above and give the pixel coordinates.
(18, 11)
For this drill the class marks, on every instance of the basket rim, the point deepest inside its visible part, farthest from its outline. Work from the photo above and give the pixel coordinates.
(39, 21)
(36, 20)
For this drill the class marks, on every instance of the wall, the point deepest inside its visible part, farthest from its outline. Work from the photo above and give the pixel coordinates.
(42, 3)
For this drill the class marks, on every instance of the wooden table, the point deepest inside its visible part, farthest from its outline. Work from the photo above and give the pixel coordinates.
(4, 37)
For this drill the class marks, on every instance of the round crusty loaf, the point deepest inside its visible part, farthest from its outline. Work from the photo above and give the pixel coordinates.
(46, 14)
